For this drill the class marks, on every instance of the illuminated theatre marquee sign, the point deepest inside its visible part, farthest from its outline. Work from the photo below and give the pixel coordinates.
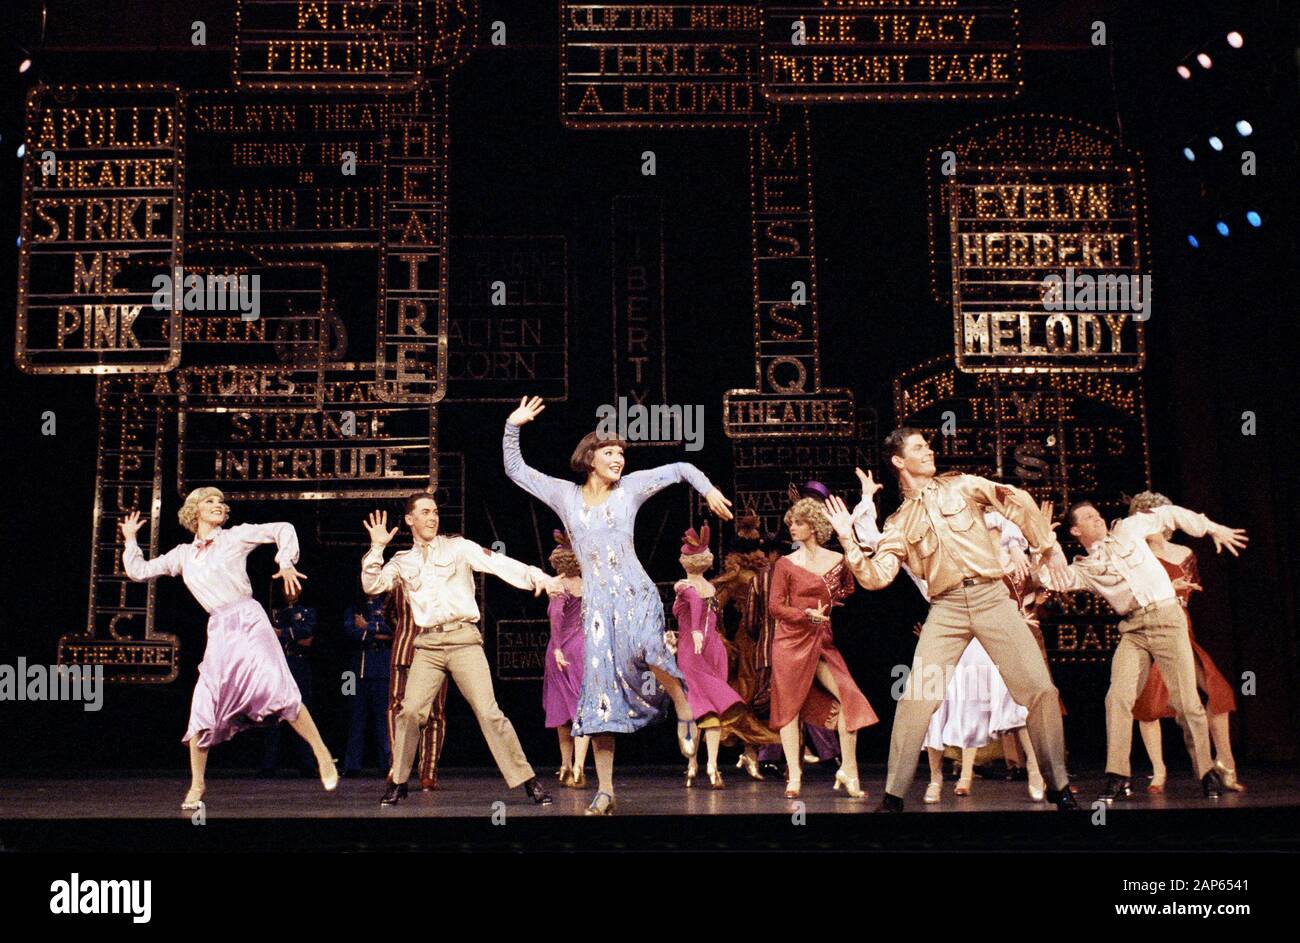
(787, 398)
(1046, 243)
(354, 445)
(878, 50)
(330, 44)
(1061, 437)
(120, 631)
(101, 218)
(660, 65)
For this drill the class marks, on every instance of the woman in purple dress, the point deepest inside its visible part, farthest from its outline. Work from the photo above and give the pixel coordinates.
(562, 673)
(701, 654)
(244, 679)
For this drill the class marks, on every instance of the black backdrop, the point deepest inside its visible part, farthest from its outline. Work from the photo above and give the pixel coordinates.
(1219, 344)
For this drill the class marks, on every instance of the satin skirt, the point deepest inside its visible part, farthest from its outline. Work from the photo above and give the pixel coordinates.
(977, 707)
(244, 679)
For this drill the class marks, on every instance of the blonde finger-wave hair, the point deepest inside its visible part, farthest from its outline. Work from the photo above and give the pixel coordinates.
(811, 512)
(189, 512)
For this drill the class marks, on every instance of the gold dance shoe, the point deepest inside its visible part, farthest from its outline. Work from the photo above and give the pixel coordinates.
(850, 784)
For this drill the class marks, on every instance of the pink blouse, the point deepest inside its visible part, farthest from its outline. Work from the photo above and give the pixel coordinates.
(213, 568)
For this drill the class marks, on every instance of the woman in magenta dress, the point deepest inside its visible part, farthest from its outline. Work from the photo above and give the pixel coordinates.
(701, 654)
(244, 679)
(562, 674)
(1153, 703)
(806, 584)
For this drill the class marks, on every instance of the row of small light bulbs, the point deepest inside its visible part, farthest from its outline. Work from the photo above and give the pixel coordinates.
(1203, 59)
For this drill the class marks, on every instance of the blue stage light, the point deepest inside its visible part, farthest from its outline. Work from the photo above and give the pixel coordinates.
(1193, 241)
(1222, 227)
(1244, 128)
(1215, 142)
(1254, 219)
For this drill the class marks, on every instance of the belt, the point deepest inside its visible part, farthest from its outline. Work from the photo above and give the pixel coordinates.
(976, 580)
(446, 626)
(1150, 607)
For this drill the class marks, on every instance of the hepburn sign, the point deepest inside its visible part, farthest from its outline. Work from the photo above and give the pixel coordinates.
(102, 212)
(321, 45)
(1061, 437)
(660, 65)
(891, 50)
(1046, 240)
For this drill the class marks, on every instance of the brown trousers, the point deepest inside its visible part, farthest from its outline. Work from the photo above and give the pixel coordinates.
(457, 652)
(987, 612)
(1156, 633)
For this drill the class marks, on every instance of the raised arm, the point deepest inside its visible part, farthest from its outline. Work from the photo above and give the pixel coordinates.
(1173, 517)
(1014, 504)
(644, 484)
(545, 488)
(133, 561)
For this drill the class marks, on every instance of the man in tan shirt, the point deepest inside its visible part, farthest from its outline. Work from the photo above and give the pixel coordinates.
(1121, 569)
(938, 532)
(437, 576)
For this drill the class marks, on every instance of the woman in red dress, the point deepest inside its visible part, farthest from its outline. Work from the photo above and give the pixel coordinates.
(1153, 703)
(806, 584)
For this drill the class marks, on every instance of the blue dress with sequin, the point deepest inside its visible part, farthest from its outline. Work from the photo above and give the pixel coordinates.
(622, 613)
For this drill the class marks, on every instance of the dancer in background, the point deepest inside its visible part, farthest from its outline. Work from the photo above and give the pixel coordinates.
(1121, 568)
(622, 613)
(371, 637)
(747, 634)
(1153, 703)
(433, 736)
(806, 584)
(562, 674)
(243, 678)
(295, 627)
(935, 531)
(701, 654)
(437, 574)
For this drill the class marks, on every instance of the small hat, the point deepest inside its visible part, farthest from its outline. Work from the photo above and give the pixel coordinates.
(693, 543)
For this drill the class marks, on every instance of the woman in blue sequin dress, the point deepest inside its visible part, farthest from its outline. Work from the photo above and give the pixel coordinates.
(629, 671)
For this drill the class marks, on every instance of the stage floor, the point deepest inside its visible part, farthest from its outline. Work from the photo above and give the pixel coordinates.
(473, 809)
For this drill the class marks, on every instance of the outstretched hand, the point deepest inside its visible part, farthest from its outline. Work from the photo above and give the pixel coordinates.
(377, 526)
(1234, 538)
(131, 526)
(291, 577)
(528, 410)
(869, 484)
(718, 504)
(839, 515)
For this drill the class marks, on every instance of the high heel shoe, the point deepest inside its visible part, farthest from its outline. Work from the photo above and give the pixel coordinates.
(596, 808)
(192, 805)
(750, 766)
(850, 784)
(962, 788)
(686, 744)
(792, 788)
(715, 779)
(933, 793)
(691, 771)
(1157, 785)
(566, 777)
(330, 780)
(578, 779)
(1229, 777)
(1037, 788)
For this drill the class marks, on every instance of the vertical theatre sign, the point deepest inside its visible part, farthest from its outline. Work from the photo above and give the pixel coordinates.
(640, 368)
(1046, 246)
(101, 219)
(660, 65)
(891, 50)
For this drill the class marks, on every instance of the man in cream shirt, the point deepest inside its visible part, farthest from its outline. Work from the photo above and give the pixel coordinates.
(437, 575)
(1121, 569)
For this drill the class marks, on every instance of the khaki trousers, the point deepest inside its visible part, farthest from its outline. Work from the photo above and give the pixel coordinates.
(1156, 633)
(459, 652)
(984, 611)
